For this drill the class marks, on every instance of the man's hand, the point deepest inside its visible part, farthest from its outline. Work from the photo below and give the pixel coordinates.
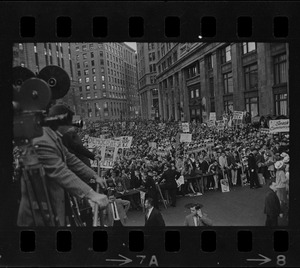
(101, 181)
(99, 199)
(98, 157)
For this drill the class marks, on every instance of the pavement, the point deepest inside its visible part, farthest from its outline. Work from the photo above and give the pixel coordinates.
(241, 206)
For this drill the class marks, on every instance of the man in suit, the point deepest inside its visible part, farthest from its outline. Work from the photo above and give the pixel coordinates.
(252, 166)
(115, 212)
(170, 176)
(153, 217)
(63, 174)
(272, 205)
(197, 218)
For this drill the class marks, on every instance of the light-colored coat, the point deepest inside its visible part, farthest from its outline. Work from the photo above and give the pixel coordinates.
(63, 172)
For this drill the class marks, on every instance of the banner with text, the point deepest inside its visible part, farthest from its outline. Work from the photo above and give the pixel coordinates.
(281, 125)
(185, 137)
(185, 127)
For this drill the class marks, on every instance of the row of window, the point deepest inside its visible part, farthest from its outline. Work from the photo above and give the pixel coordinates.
(96, 95)
(251, 106)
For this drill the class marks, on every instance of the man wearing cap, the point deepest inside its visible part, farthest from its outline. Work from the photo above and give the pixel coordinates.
(281, 181)
(272, 205)
(197, 218)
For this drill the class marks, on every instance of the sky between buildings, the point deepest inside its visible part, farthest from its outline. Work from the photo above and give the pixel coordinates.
(131, 44)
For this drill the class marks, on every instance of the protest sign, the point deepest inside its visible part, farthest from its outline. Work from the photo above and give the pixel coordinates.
(126, 141)
(185, 137)
(108, 156)
(281, 125)
(210, 123)
(224, 185)
(220, 125)
(238, 115)
(185, 127)
(212, 116)
(180, 181)
(98, 142)
(264, 130)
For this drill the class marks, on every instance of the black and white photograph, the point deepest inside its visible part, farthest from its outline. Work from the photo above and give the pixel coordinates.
(209, 125)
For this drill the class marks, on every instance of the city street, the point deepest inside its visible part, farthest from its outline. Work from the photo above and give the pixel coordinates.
(241, 206)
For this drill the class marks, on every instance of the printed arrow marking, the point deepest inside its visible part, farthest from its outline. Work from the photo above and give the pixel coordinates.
(125, 260)
(264, 260)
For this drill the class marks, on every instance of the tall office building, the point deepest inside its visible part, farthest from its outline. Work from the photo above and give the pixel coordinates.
(195, 79)
(148, 88)
(106, 80)
(35, 56)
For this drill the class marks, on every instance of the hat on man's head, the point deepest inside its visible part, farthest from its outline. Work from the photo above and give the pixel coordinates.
(191, 205)
(286, 159)
(61, 109)
(279, 164)
(284, 154)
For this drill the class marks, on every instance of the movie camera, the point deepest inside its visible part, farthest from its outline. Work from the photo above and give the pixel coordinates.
(33, 96)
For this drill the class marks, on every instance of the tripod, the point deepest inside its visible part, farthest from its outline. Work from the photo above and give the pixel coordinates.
(34, 178)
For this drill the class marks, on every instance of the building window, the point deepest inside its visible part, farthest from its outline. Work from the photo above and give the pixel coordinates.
(226, 54)
(102, 69)
(197, 93)
(93, 63)
(95, 95)
(84, 47)
(192, 94)
(210, 62)
(79, 73)
(104, 95)
(251, 77)
(77, 48)
(87, 79)
(79, 80)
(94, 78)
(228, 84)
(86, 72)
(193, 70)
(101, 62)
(87, 88)
(248, 47)
(80, 89)
(252, 106)
(228, 106)
(93, 70)
(91, 46)
(84, 56)
(86, 65)
(101, 53)
(88, 95)
(92, 54)
(280, 73)
(211, 87)
(78, 65)
(94, 87)
(20, 46)
(103, 86)
(102, 78)
(280, 101)
(81, 96)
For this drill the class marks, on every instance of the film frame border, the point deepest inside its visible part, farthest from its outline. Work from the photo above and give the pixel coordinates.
(117, 15)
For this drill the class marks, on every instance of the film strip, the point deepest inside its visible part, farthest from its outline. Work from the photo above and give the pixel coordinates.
(240, 246)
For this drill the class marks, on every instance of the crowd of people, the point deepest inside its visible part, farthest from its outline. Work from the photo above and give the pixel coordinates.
(157, 160)
(244, 154)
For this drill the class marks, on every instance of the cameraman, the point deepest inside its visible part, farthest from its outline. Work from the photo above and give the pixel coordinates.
(63, 173)
(69, 137)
